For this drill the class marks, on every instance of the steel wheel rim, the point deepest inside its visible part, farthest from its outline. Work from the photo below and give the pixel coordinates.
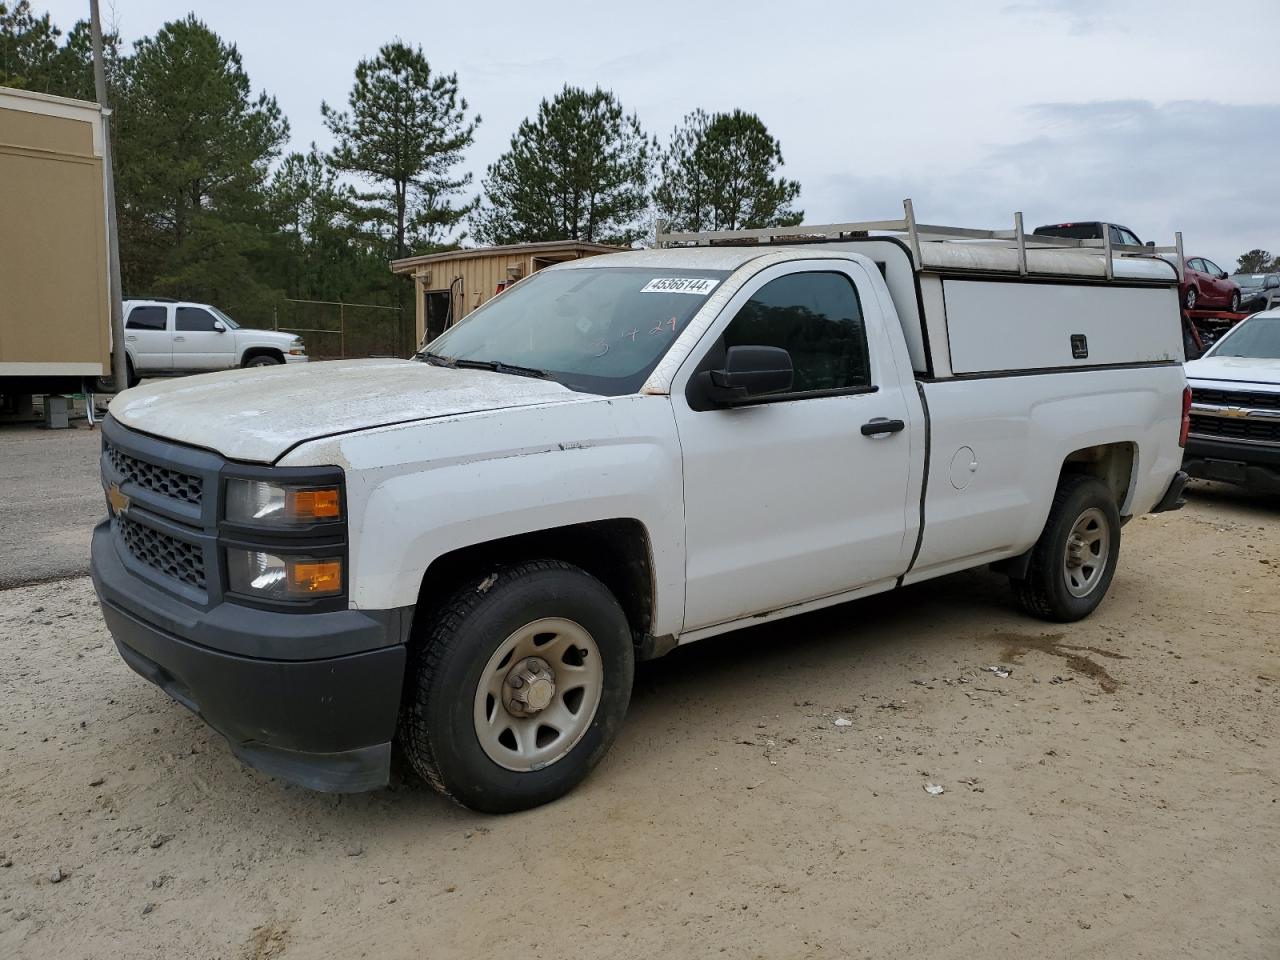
(1191, 299)
(1087, 553)
(531, 736)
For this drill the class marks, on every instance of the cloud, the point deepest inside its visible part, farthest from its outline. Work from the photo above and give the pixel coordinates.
(1082, 16)
(1194, 166)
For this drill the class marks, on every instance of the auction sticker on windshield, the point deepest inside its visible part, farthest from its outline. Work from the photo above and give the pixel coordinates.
(699, 286)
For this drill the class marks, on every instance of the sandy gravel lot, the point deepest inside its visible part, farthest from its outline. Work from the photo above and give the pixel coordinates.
(1115, 796)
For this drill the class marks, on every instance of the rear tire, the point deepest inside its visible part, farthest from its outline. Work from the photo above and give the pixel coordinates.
(131, 379)
(1074, 560)
(1190, 298)
(458, 728)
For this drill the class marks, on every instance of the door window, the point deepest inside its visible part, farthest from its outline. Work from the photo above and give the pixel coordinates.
(1116, 235)
(146, 318)
(1197, 265)
(1211, 267)
(194, 320)
(816, 317)
(1127, 237)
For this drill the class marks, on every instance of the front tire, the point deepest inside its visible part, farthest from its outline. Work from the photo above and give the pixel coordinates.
(264, 360)
(1074, 560)
(1234, 306)
(518, 687)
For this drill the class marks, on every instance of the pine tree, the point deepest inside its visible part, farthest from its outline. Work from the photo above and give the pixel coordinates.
(719, 173)
(579, 170)
(194, 148)
(404, 132)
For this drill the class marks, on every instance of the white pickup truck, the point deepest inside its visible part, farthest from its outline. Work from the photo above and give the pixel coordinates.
(1235, 407)
(465, 553)
(167, 337)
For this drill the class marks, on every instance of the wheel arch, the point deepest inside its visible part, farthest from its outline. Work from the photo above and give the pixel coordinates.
(617, 552)
(1112, 463)
(252, 353)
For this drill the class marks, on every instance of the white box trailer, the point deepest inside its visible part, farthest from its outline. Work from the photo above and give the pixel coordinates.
(54, 308)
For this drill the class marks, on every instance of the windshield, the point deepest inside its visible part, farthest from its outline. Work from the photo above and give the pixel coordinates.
(1256, 337)
(231, 324)
(1072, 231)
(595, 329)
(1248, 281)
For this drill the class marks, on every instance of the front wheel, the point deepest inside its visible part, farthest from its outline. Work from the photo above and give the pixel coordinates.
(518, 687)
(1234, 306)
(264, 360)
(1075, 558)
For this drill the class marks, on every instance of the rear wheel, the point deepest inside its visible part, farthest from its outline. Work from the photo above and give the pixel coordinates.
(131, 378)
(518, 688)
(1190, 298)
(1075, 558)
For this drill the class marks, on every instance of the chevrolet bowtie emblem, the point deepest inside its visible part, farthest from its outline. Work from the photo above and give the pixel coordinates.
(119, 502)
(1235, 412)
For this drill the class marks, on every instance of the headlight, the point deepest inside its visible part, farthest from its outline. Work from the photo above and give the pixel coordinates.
(259, 574)
(262, 504)
(297, 348)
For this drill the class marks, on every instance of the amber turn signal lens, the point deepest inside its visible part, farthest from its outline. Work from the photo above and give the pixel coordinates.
(311, 577)
(315, 503)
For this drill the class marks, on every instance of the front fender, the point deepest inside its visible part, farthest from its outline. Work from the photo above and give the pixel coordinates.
(460, 481)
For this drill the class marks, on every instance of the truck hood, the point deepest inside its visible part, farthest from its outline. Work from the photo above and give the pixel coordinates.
(257, 414)
(1239, 369)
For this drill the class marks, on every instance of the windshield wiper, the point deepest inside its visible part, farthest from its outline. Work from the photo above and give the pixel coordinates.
(497, 366)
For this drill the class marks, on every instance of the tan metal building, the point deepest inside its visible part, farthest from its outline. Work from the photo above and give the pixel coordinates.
(55, 327)
(450, 284)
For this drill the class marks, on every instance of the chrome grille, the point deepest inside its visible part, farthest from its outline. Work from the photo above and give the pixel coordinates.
(162, 480)
(1236, 398)
(1258, 431)
(173, 557)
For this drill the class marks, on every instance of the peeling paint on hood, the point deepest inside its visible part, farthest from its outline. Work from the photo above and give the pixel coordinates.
(257, 414)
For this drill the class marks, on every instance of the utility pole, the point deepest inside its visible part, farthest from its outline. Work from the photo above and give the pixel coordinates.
(118, 368)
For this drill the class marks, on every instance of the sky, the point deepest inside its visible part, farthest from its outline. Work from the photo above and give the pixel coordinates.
(1159, 117)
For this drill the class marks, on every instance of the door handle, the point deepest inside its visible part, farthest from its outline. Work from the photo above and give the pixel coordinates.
(179, 339)
(131, 338)
(881, 425)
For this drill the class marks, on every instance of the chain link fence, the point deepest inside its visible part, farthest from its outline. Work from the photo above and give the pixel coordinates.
(337, 331)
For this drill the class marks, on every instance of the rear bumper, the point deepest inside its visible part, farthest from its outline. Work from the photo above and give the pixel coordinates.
(1256, 466)
(323, 723)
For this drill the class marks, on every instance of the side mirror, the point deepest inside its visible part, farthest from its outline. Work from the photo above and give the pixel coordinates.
(219, 326)
(1151, 243)
(749, 372)
(1223, 275)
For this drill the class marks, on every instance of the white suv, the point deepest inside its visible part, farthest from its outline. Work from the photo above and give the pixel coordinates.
(167, 337)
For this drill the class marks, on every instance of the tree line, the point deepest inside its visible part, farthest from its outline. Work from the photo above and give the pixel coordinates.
(214, 206)
(1257, 261)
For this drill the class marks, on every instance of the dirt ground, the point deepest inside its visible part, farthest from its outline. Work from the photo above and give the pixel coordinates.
(1114, 796)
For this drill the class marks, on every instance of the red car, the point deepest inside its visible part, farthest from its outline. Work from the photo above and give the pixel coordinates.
(1205, 286)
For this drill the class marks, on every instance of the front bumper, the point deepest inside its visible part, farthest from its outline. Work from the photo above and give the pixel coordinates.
(296, 358)
(324, 722)
(1252, 465)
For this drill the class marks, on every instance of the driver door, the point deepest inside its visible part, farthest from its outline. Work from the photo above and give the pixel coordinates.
(787, 499)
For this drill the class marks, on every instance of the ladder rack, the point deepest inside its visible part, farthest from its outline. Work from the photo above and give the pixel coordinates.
(917, 233)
